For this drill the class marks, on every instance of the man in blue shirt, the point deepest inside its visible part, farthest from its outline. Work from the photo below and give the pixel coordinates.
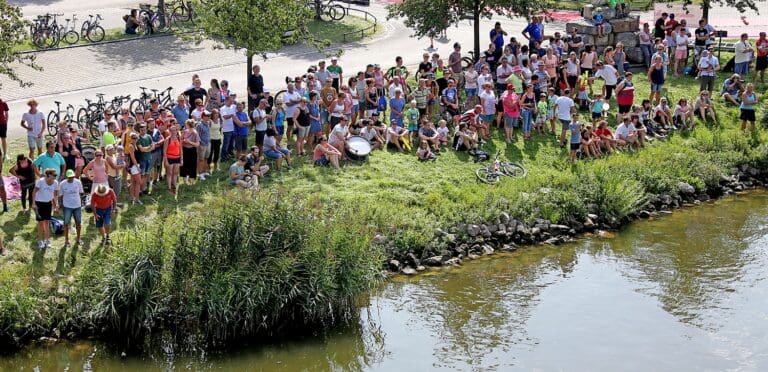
(50, 160)
(497, 38)
(181, 110)
(534, 31)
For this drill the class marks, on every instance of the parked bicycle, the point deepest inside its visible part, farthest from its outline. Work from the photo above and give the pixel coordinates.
(56, 116)
(493, 173)
(141, 104)
(68, 33)
(45, 31)
(328, 10)
(91, 30)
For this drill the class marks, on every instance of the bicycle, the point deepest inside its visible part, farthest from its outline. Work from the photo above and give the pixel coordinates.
(55, 117)
(45, 31)
(90, 115)
(468, 62)
(91, 30)
(141, 104)
(492, 174)
(328, 10)
(68, 33)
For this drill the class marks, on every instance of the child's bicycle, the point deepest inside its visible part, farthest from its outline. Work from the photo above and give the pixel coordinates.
(492, 174)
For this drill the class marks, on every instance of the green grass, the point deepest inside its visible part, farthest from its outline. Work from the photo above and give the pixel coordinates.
(392, 194)
(334, 31)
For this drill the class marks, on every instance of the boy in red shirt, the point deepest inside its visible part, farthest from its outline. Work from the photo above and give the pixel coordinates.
(103, 201)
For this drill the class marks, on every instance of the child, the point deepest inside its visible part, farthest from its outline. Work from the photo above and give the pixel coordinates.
(551, 99)
(424, 153)
(541, 116)
(598, 20)
(412, 115)
(443, 132)
(575, 128)
(79, 163)
(582, 97)
(597, 109)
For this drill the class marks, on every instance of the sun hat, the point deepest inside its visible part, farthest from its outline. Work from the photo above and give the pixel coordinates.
(102, 190)
(517, 69)
(70, 173)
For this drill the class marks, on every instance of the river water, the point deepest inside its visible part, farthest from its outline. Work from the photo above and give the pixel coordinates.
(685, 292)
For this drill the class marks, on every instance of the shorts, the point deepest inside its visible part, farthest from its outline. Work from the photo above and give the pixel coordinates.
(145, 165)
(157, 159)
(550, 114)
(597, 115)
(413, 128)
(323, 116)
(624, 109)
(103, 217)
(761, 63)
(422, 111)
(470, 92)
(272, 154)
(3, 130)
(575, 146)
(302, 131)
(322, 161)
(748, 115)
(565, 124)
(572, 79)
(173, 161)
(259, 138)
(77, 213)
(43, 211)
(289, 121)
(35, 143)
(681, 53)
(656, 87)
(487, 118)
(279, 130)
(452, 111)
(587, 70)
(670, 41)
(204, 151)
(509, 121)
(241, 143)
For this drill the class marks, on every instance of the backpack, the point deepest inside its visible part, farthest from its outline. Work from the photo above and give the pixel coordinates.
(382, 104)
(57, 226)
(730, 65)
(481, 156)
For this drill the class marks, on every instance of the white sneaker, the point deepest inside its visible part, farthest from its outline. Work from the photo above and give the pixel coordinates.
(48, 243)
(40, 244)
(205, 174)
(201, 177)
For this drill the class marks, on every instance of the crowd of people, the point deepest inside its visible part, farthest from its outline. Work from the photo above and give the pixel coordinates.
(532, 86)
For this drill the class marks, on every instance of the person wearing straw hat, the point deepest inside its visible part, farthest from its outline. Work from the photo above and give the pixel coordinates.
(71, 190)
(103, 201)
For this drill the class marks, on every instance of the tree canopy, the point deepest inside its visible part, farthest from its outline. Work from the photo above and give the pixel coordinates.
(13, 30)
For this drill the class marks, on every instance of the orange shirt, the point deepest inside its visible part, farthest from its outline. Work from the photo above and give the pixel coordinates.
(103, 202)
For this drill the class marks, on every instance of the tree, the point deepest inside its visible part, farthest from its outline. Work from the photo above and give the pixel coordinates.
(13, 30)
(257, 27)
(427, 18)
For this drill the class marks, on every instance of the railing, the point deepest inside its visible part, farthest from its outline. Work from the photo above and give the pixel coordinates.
(367, 16)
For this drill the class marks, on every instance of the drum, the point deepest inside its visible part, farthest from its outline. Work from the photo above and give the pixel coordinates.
(359, 148)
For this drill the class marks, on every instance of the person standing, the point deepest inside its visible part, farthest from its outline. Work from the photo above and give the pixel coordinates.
(336, 73)
(564, 105)
(4, 127)
(103, 200)
(50, 160)
(34, 122)
(497, 37)
(45, 202)
(742, 56)
(71, 190)
(708, 67)
(533, 32)
(761, 64)
(228, 127)
(203, 129)
(259, 117)
(255, 89)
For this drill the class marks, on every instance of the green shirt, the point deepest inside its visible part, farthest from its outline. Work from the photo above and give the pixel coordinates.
(542, 105)
(517, 82)
(108, 139)
(335, 71)
(413, 116)
(145, 141)
(45, 161)
(420, 95)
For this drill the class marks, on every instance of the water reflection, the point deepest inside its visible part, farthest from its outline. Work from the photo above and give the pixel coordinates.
(682, 292)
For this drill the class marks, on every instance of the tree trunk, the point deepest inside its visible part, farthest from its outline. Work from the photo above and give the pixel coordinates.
(318, 9)
(705, 5)
(476, 24)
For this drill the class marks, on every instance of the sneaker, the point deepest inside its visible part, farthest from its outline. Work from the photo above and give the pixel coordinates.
(674, 127)
(201, 177)
(108, 241)
(48, 243)
(66, 244)
(80, 243)
(139, 202)
(103, 240)
(40, 244)
(206, 174)
(6, 209)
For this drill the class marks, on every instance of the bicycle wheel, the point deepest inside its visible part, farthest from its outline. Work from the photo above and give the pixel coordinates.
(137, 105)
(45, 39)
(515, 170)
(466, 62)
(93, 128)
(336, 12)
(486, 175)
(82, 118)
(71, 37)
(158, 24)
(180, 13)
(95, 34)
(84, 28)
(52, 123)
(279, 95)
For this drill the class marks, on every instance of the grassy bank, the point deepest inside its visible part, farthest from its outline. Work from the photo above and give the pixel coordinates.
(217, 262)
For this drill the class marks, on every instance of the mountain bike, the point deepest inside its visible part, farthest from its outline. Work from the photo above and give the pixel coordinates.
(55, 117)
(141, 104)
(91, 30)
(493, 173)
(88, 117)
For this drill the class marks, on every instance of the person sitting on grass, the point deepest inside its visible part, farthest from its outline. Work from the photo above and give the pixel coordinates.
(589, 144)
(273, 151)
(254, 162)
(443, 132)
(339, 134)
(238, 175)
(464, 139)
(131, 22)
(424, 153)
(428, 134)
(662, 115)
(398, 136)
(703, 107)
(370, 133)
(607, 142)
(325, 154)
(684, 116)
(625, 134)
(639, 128)
(731, 92)
(575, 142)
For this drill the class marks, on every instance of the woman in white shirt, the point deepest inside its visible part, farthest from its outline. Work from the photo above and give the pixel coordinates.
(681, 50)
